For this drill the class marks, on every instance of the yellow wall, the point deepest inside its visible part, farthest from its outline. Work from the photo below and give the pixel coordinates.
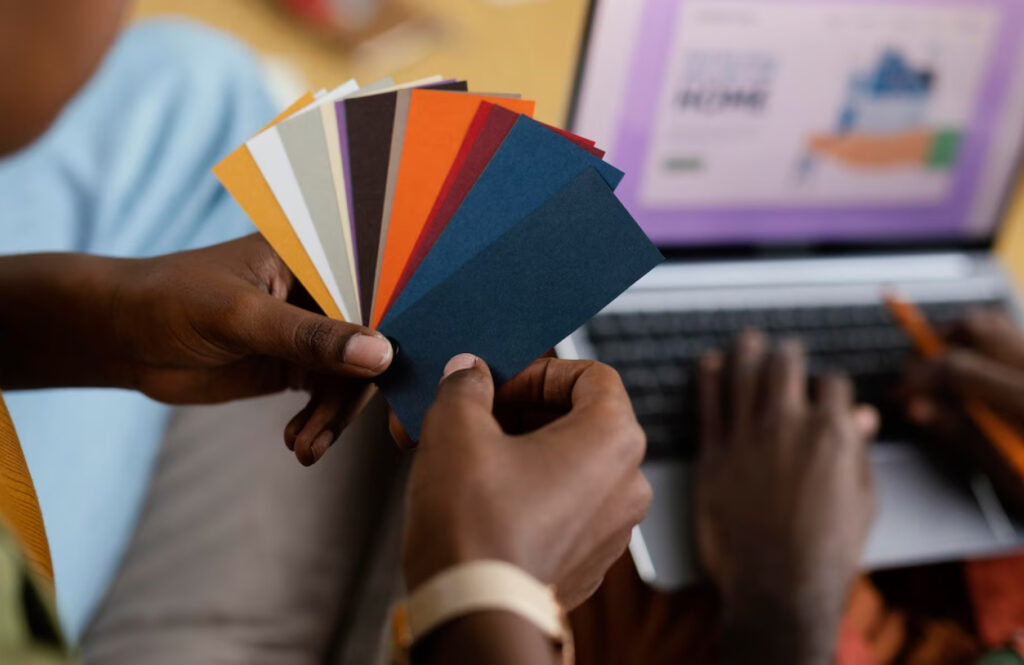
(1011, 242)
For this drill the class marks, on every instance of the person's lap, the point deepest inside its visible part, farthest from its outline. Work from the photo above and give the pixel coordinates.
(241, 555)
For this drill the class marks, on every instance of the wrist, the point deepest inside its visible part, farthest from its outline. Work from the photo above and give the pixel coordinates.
(491, 589)
(493, 637)
(792, 628)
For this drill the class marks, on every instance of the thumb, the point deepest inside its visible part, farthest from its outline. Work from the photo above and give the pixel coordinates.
(266, 326)
(467, 381)
(465, 396)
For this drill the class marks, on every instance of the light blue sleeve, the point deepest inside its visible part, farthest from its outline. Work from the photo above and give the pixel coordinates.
(124, 171)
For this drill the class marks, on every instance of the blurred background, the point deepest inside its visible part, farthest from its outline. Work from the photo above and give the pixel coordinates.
(529, 46)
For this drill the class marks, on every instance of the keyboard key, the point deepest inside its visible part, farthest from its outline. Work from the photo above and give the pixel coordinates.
(657, 355)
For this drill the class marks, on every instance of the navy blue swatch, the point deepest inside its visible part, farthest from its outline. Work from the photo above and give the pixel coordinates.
(520, 295)
(532, 164)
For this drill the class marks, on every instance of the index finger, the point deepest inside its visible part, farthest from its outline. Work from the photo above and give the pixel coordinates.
(558, 384)
(600, 424)
(971, 375)
(992, 333)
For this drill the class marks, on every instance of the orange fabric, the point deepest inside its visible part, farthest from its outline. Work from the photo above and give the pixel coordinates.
(242, 178)
(19, 505)
(626, 621)
(437, 122)
(871, 633)
(996, 588)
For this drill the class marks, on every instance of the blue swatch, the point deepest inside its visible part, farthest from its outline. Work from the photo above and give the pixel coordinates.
(520, 294)
(532, 164)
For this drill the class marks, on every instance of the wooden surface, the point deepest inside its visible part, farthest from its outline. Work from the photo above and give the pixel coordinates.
(528, 46)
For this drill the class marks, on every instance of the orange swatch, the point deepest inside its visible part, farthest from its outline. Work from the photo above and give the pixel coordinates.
(436, 125)
(242, 178)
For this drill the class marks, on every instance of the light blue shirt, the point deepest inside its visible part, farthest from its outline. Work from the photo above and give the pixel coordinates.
(124, 171)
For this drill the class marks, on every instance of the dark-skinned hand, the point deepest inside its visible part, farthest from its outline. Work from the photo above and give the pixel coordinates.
(559, 501)
(985, 362)
(202, 326)
(783, 499)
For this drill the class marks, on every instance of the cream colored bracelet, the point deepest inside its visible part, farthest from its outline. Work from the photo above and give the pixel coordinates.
(479, 586)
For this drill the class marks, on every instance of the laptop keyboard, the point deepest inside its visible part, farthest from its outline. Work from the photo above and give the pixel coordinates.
(656, 354)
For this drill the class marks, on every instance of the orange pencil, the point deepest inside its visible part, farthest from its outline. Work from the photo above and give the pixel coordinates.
(1004, 438)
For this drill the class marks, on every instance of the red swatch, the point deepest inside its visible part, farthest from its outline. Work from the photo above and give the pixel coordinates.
(486, 132)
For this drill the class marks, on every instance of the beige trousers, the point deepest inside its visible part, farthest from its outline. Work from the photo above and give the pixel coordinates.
(242, 555)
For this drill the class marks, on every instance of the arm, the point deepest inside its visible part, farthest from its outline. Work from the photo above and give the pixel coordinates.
(762, 627)
(487, 638)
(783, 501)
(57, 324)
(203, 326)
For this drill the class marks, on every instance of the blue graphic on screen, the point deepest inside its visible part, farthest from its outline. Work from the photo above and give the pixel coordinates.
(883, 123)
(892, 97)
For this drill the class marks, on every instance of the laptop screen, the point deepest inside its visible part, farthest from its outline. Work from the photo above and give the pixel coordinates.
(803, 122)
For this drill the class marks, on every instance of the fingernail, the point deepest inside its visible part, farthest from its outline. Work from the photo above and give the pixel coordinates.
(370, 352)
(459, 363)
(867, 420)
(321, 443)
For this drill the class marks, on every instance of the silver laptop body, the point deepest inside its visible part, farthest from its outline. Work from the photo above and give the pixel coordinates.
(927, 512)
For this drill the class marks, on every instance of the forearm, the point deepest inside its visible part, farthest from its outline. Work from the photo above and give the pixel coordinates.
(57, 317)
(486, 638)
(765, 631)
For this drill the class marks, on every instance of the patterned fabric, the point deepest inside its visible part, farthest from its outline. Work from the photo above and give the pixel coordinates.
(29, 633)
(19, 506)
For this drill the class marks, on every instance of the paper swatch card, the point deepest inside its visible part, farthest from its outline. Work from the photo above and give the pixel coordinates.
(241, 176)
(451, 220)
(530, 166)
(519, 295)
(488, 130)
(368, 123)
(433, 135)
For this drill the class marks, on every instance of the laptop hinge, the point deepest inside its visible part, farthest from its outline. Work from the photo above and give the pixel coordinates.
(822, 271)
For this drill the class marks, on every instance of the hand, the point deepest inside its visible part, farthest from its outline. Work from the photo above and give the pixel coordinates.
(216, 324)
(559, 502)
(519, 406)
(202, 326)
(985, 363)
(783, 499)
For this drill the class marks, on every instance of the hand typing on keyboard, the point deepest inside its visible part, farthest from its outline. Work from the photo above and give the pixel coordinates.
(985, 363)
(656, 353)
(783, 499)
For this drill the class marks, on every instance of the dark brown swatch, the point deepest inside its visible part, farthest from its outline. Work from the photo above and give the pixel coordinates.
(369, 123)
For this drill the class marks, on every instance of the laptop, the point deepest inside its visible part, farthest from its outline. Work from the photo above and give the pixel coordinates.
(792, 159)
